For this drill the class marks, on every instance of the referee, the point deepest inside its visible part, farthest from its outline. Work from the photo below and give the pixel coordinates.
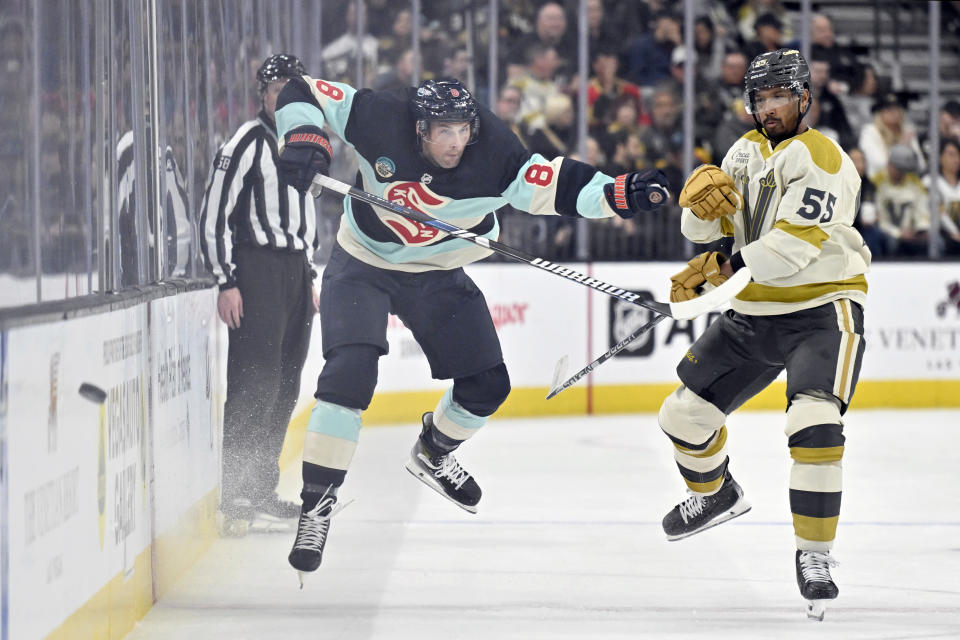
(258, 236)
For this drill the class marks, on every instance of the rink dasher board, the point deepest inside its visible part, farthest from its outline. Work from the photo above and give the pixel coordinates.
(107, 503)
(912, 330)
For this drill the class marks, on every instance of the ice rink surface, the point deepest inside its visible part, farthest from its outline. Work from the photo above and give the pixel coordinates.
(567, 543)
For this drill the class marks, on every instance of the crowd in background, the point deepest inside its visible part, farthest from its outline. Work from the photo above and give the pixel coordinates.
(55, 209)
(634, 96)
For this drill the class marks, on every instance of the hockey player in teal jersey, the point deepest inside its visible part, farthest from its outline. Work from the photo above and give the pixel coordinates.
(435, 149)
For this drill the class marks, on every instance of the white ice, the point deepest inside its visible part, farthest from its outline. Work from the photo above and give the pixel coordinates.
(567, 543)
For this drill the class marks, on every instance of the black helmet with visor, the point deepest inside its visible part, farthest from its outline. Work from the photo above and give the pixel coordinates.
(783, 68)
(445, 100)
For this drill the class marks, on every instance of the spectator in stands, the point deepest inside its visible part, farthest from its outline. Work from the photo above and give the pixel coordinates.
(950, 120)
(380, 16)
(614, 240)
(517, 19)
(15, 221)
(710, 50)
(508, 110)
(903, 210)
(595, 155)
(400, 76)
(628, 153)
(948, 189)
(751, 11)
(708, 111)
(394, 44)
(823, 42)
(949, 124)
(550, 32)
(866, 220)
(625, 109)
(889, 127)
(821, 32)
(732, 72)
(434, 46)
(735, 122)
(339, 58)
(858, 102)
(663, 139)
(456, 62)
(537, 83)
(648, 57)
(813, 119)
(602, 34)
(832, 114)
(768, 36)
(605, 87)
(558, 135)
(631, 18)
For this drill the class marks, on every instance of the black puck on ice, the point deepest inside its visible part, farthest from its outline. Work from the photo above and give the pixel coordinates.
(93, 393)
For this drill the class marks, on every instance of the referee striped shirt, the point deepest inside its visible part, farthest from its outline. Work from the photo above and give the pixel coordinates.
(246, 204)
(179, 227)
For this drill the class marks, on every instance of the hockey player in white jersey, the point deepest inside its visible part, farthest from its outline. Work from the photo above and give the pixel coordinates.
(788, 196)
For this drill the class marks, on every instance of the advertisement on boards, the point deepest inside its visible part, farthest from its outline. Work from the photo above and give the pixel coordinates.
(77, 486)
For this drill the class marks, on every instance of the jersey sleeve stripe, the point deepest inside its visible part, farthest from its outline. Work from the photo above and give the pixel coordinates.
(297, 114)
(580, 190)
(591, 203)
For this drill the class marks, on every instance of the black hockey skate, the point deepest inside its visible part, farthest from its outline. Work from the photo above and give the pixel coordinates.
(312, 532)
(699, 512)
(441, 472)
(813, 578)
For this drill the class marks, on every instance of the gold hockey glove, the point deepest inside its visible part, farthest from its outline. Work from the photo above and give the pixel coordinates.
(710, 193)
(704, 268)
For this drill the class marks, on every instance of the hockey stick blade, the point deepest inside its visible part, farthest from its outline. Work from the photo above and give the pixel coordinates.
(679, 310)
(559, 373)
(713, 298)
(557, 387)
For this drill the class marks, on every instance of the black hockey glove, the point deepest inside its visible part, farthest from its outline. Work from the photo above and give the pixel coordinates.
(637, 191)
(306, 152)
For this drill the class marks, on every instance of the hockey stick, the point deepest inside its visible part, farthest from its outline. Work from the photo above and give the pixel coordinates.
(679, 310)
(560, 369)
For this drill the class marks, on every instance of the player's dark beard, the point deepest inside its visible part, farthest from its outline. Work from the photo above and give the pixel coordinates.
(776, 139)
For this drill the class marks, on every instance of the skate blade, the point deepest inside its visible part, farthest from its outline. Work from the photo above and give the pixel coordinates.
(425, 478)
(267, 524)
(738, 510)
(301, 577)
(816, 609)
(228, 528)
